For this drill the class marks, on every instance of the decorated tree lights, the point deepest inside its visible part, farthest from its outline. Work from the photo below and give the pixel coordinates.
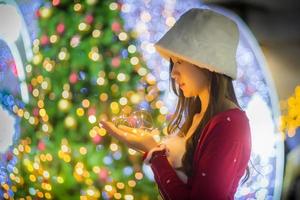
(85, 68)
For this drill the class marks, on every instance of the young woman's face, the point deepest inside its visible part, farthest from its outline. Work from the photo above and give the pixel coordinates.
(190, 78)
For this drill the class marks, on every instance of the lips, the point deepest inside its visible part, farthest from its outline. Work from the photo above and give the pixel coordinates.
(181, 85)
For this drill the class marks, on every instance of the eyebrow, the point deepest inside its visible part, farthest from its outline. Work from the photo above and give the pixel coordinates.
(176, 59)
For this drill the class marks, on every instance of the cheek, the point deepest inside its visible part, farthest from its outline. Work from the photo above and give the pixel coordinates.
(189, 89)
(195, 83)
(192, 79)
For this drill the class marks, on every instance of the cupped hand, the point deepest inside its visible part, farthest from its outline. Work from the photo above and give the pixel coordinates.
(135, 138)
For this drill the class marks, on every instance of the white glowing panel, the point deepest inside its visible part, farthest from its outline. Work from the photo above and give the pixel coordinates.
(10, 23)
(7, 129)
(262, 127)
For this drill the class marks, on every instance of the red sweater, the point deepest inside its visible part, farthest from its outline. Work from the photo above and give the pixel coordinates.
(220, 160)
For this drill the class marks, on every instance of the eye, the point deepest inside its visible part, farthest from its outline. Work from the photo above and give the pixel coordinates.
(179, 62)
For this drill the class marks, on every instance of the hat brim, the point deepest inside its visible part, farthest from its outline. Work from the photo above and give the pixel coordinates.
(167, 54)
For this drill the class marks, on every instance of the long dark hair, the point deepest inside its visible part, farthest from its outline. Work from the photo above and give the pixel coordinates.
(220, 86)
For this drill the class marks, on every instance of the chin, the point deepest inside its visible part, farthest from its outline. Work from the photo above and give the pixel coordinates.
(187, 95)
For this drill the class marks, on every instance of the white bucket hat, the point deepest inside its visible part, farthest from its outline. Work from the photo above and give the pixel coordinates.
(204, 38)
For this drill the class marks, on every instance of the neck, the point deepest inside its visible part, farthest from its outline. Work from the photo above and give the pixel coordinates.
(204, 97)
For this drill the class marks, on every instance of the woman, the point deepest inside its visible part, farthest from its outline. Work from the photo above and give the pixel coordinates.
(209, 143)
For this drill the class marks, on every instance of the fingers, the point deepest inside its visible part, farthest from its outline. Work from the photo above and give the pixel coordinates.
(135, 131)
(113, 130)
(128, 129)
(122, 135)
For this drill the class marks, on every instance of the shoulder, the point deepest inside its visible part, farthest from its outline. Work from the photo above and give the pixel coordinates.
(232, 115)
(232, 123)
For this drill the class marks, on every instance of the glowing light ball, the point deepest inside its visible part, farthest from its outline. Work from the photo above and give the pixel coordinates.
(137, 119)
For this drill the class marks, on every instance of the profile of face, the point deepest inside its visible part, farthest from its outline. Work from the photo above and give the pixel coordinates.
(191, 79)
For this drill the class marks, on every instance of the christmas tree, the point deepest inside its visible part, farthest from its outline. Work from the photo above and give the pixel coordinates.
(85, 68)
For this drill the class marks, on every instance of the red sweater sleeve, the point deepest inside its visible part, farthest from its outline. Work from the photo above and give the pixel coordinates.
(216, 169)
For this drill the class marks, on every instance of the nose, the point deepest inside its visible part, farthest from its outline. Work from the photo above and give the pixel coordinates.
(174, 73)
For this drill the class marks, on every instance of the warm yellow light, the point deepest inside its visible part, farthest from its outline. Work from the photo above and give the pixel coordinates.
(108, 188)
(138, 175)
(96, 33)
(85, 103)
(33, 82)
(117, 195)
(102, 132)
(132, 183)
(40, 103)
(64, 148)
(45, 127)
(92, 133)
(163, 110)
(131, 151)
(82, 26)
(37, 58)
(48, 195)
(70, 122)
(96, 169)
(40, 79)
(42, 112)
(113, 6)
(161, 118)
(103, 97)
(120, 185)
(60, 179)
(53, 38)
(35, 92)
(159, 104)
(15, 170)
(121, 77)
(5, 196)
(83, 150)
(32, 178)
(65, 94)
(20, 113)
(62, 55)
(31, 120)
(135, 98)
(134, 60)
(114, 106)
(26, 115)
(40, 194)
(49, 157)
(80, 112)
(123, 101)
(150, 79)
(145, 16)
(170, 21)
(131, 48)
(94, 56)
(92, 119)
(123, 36)
(142, 71)
(114, 88)
(21, 148)
(100, 81)
(90, 192)
(46, 174)
(77, 7)
(114, 147)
